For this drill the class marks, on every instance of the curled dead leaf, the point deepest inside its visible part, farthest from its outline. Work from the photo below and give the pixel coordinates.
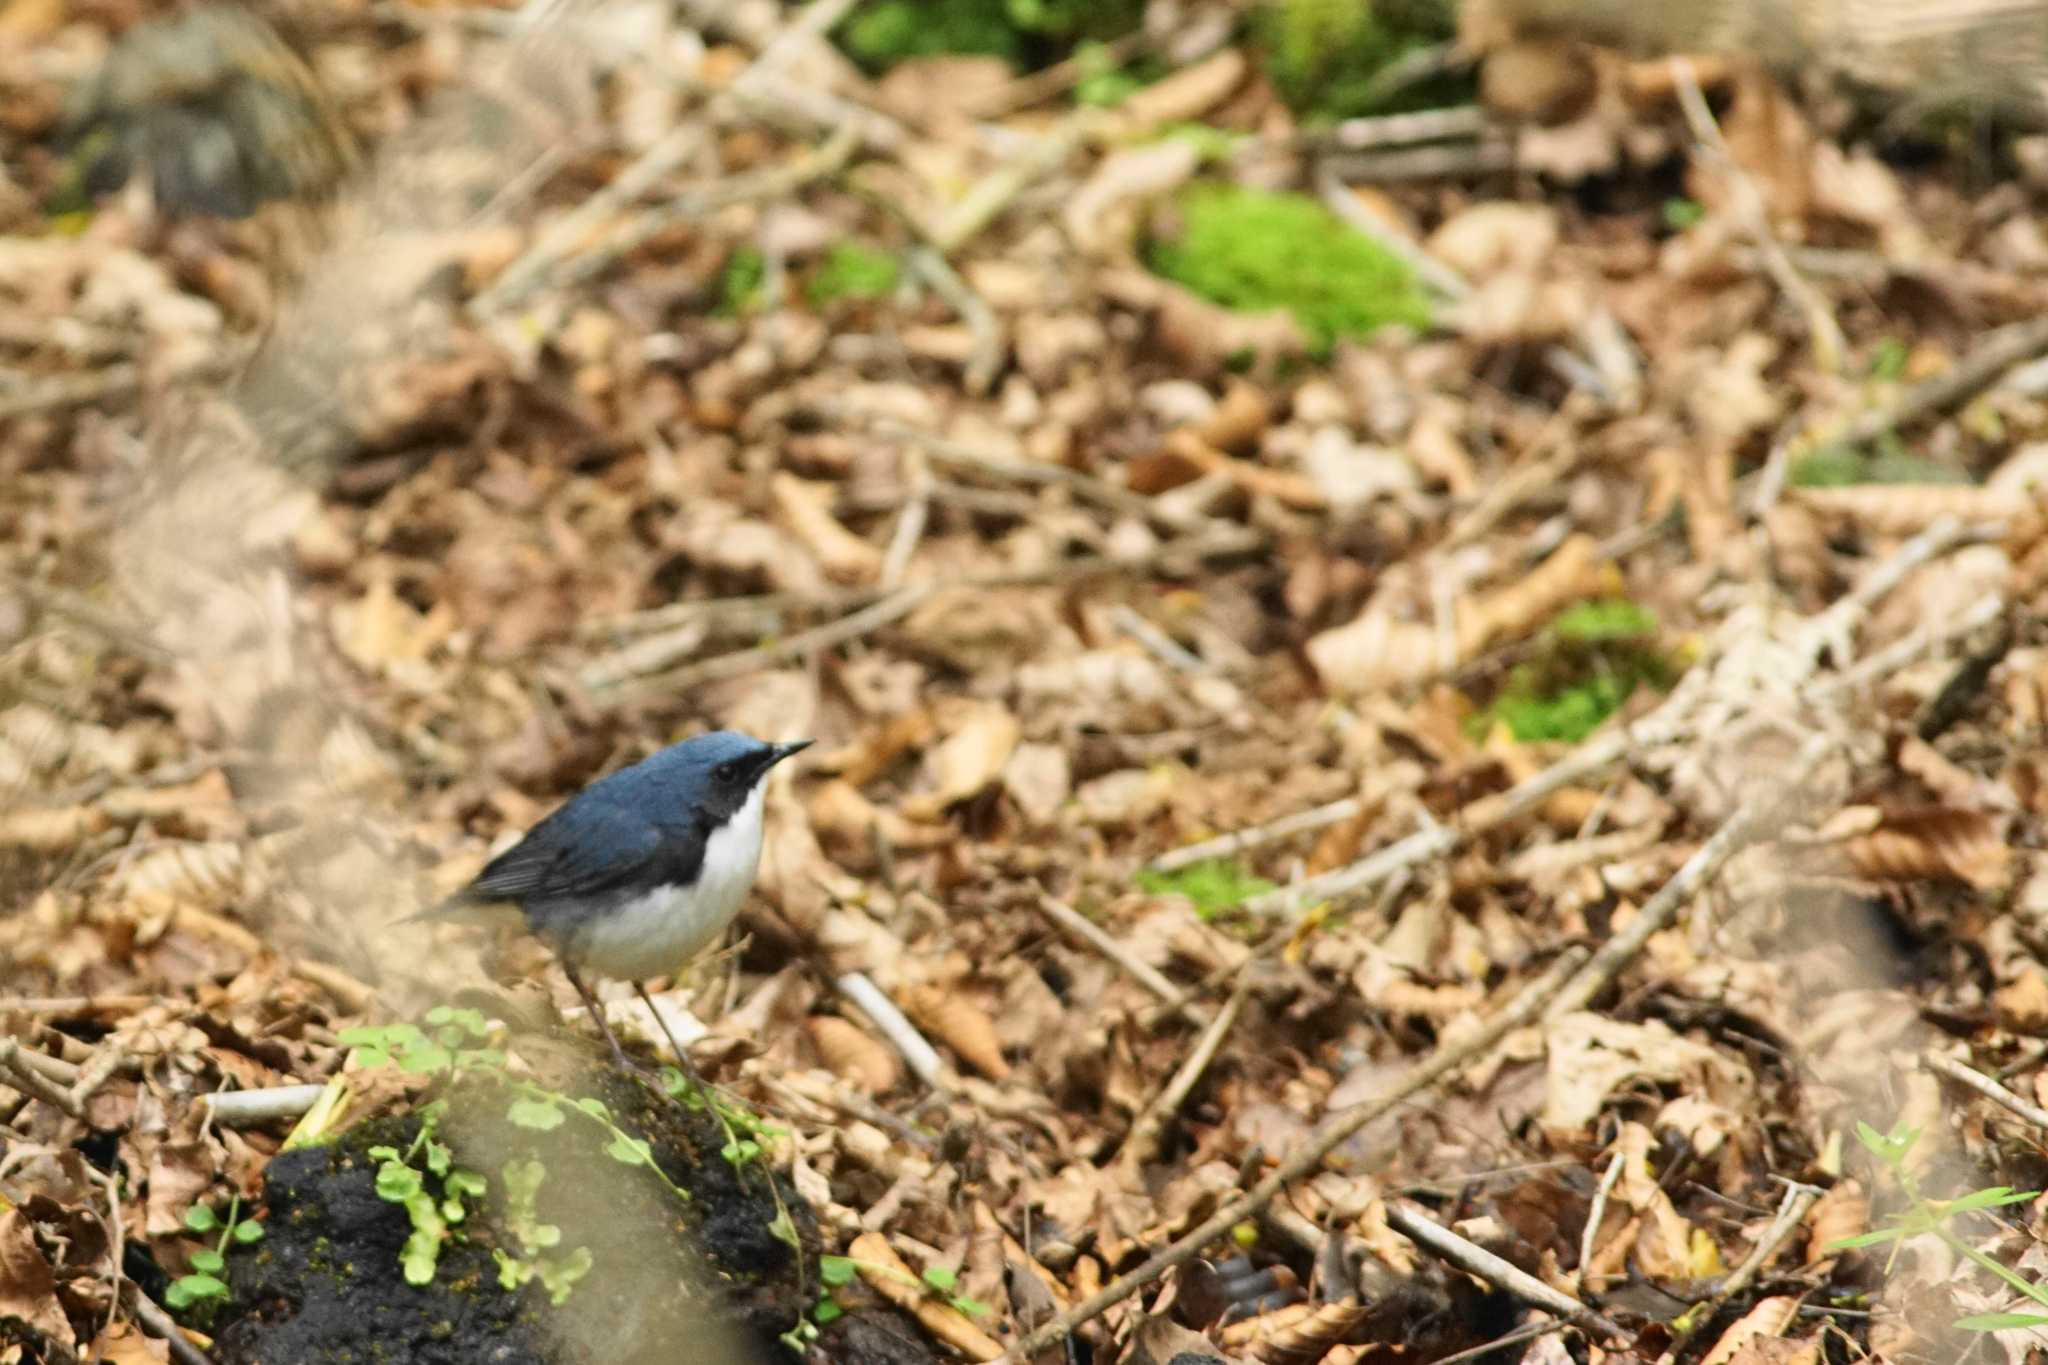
(1934, 843)
(50, 829)
(961, 1024)
(806, 508)
(1300, 1331)
(982, 737)
(1744, 1337)
(854, 1054)
(886, 1274)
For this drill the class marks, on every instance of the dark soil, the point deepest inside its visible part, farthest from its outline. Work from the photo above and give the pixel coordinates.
(708, 1277)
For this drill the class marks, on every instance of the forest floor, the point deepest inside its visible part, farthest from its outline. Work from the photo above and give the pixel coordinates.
(1524, 824)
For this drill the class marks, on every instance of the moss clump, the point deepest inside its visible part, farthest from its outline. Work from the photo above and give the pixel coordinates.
(853, 271)
(1890, 462)
(1590, 660)
(1326, 57)
(1254, 251)
(1213, 886)
(1025, 33)
(739, 288)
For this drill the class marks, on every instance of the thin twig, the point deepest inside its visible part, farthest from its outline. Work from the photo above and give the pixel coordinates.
(1092, 934)
(815, 640)
(1448, 1059)
(1057, 79)
(1667, 724)
(1143, 1142)
(987, 197)
(881, 1011)
(563, 236)
(775, 183)
(1258, 836)
(249, 1108)
(885, 607)
(1825, 334)
(1847, 611)
(98, 1072)
(1791, 1211)
(23, 1075)
(117, 1248)
(986, 359)
(1527, 1332)
(1589, 1240)
(159, 1323)
(1988, 1088)
(1453, 161)
(74, 1005)
(1476, 1260)
(1752, 821)
(1157, 642)
(910, 524)
(1998, 352)
(1338, 197)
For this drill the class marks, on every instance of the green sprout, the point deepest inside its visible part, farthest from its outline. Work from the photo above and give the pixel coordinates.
(205, 1288)
(1924, 1217)
(557, 1274)
(453, 1045)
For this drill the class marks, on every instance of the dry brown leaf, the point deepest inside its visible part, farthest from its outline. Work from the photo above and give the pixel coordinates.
(886, 1274)
(1840, 1212)
(28, 1286)
(1589, 1056)
(51, 829)
(1932, 843)
(124, 1344)
(205, 875)
(961, 1024)
(1907, 509)
(1750, 1339)
(1573, 571)
(1185, 94)
(854, 1054)
(1297, 1332)
(806, 508)
(980, 738)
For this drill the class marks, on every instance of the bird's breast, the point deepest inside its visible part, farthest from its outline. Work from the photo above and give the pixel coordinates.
(658, 930)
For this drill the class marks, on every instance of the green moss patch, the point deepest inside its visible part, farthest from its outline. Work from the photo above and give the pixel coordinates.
(1889, 461)
(1589, 661)
(1213, 886)
(1327, 57)
(853, 271)
(1026, 33)
(1254, 251)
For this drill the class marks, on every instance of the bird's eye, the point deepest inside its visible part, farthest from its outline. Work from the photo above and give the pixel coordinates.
(728, 772)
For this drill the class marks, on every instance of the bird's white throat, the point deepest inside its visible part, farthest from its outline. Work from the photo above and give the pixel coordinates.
(660, 930)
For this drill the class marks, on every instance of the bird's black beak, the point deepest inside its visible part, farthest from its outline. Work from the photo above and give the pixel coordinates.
(778, 752)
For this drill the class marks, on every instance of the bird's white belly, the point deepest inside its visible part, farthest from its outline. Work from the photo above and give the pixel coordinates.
(660, 930)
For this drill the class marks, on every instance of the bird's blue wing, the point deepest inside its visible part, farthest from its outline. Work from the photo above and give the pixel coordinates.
(585, 850)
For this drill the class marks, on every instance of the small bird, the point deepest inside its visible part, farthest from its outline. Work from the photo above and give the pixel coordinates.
(644, 868)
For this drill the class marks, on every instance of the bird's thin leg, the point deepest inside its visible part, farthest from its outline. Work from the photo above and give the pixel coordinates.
(596, 1013)
(681, 1053)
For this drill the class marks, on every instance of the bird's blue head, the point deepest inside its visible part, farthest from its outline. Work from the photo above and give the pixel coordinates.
(717, 772)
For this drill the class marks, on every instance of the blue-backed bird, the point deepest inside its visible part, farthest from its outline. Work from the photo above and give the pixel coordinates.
(642, 869)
